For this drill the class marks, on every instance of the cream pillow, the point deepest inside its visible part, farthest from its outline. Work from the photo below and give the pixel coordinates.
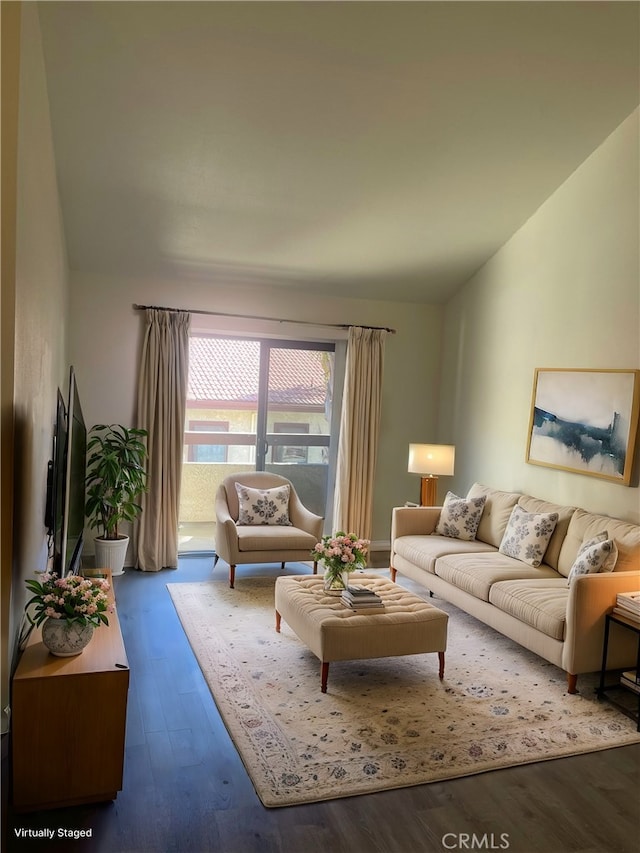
(460, 517)
(598, 554)
(263, 506)
(527, 535)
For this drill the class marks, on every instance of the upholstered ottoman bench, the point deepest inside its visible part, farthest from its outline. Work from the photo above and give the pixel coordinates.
(407, 625)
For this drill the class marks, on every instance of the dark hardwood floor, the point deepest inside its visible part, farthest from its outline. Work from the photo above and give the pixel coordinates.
(186, 790)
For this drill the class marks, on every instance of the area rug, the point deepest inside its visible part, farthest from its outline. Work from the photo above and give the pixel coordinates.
(385, 723)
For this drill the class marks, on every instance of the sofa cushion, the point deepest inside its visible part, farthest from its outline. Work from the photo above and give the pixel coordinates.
(565, 513)
(423, 551)
(496, 512)
(476, 573)
(598, 554)
(263, 506)
(274, 538)
(527, 535)
(586, 525)
(539, 603)
(459, 517)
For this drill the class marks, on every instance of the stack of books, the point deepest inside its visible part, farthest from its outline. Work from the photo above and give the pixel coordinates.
(361, 598)
(631, 679)
(628, 605)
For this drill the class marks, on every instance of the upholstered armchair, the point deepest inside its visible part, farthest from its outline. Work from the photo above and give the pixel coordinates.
(246, 533)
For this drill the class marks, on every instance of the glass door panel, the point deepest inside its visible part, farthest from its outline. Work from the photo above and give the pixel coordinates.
(220, 429)
(298, 418)
(254, 405)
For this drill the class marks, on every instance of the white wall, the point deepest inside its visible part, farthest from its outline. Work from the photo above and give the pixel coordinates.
(105, 336)
(41, 300)
(40, 313)
(563, 292)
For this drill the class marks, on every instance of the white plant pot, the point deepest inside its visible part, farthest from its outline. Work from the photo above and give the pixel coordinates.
(111, 553)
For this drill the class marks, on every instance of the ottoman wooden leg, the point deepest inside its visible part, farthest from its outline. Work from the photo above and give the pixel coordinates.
(324, 675)
(441, 666)
(278, 618)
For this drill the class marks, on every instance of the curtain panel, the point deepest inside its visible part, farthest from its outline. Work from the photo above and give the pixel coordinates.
(162, 395)
(359, 431)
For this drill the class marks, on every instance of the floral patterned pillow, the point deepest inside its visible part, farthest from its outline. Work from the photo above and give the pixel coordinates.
(263, 506)
(527, 535)
(460, 517)
(594, 555)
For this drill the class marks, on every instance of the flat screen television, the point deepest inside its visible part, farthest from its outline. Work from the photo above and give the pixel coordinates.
(56, 477)
(66, 481)
(75, 474)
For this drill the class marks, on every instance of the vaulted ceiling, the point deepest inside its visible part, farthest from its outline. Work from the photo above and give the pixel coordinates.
(375, 149)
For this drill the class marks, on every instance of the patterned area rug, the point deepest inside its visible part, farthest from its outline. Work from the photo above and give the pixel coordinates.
(385, 723)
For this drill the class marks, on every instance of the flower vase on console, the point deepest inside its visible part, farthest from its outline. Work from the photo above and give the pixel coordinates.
(340, 555)
(68, 609)
(65, 639)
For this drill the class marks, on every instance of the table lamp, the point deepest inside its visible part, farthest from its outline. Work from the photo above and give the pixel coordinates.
(431, 461)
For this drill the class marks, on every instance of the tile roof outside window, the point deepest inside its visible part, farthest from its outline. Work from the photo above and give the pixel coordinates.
(225, 370)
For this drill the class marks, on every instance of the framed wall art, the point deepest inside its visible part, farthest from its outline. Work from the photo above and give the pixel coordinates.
(585, 421)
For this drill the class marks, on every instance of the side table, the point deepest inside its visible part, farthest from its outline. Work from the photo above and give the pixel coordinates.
(603, 690)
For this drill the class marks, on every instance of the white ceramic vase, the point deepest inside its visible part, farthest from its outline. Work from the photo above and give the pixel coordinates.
(65, 639)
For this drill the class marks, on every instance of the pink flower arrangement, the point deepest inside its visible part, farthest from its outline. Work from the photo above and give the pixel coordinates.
(73, 598)
(344, 552)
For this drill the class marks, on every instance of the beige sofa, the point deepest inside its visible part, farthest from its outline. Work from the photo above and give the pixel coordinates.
(535, 606)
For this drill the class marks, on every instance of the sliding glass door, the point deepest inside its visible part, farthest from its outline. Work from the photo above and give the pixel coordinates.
(294, 425)
(263, 405)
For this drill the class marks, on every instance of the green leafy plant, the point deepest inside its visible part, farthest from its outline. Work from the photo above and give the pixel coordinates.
(70, 599)
(116, 477)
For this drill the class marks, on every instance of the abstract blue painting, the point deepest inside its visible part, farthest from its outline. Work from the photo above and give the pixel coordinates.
(585, 421)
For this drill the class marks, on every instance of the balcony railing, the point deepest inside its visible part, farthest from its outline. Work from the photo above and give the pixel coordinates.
(200, 480)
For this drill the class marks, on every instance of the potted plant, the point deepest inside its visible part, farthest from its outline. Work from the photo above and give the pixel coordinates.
(68, 610)
(116, 477)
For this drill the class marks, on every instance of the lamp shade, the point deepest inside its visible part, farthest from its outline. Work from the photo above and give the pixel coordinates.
(435, 459)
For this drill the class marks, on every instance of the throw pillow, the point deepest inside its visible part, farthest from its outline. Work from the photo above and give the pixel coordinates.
(460, 517)
(594, 555)
(527, 535)
(263, 506)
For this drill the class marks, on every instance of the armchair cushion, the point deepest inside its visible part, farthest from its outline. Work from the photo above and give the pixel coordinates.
(274, 538)
(263, 506)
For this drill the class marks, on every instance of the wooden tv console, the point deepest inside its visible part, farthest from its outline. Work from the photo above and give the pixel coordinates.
(68, 720)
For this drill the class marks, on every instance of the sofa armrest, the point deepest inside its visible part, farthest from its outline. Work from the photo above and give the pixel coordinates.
(413, 521)
(591, 597)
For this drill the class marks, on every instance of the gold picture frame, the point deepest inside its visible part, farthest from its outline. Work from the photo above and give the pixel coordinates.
(585, 421)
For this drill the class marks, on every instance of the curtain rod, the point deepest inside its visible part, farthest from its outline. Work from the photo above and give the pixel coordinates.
(255, 317)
